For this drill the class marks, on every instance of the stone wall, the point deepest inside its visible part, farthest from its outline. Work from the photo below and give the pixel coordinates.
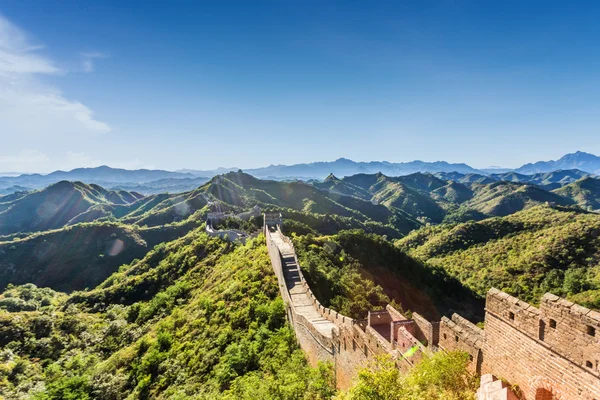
(426, 332)
(315, 345)
(544, 361)
(231, 235)
(458, 334)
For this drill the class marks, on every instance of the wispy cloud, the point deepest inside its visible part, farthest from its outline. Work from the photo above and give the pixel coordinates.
(20, 57)
(32, 111)
(87, 62)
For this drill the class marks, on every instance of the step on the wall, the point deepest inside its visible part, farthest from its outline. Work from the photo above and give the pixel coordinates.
(493, 389)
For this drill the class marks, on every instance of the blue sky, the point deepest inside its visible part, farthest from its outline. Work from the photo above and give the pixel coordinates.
(206, 84)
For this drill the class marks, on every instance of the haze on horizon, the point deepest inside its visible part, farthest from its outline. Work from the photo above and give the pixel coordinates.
(248, 84)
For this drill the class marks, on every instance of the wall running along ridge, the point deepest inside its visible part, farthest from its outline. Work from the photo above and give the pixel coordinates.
(546, 353)
(328, 336)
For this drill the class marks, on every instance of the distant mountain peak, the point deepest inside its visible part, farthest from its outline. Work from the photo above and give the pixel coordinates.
(583, 161)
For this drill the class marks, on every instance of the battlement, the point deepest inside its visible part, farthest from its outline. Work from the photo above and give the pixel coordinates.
(427, 332)
(513, 311)
(571, 330)
(458, 334)
(273, 219)
(568, 329)
(551, 351)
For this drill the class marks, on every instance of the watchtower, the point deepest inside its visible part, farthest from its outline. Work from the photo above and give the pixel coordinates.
(273, 220)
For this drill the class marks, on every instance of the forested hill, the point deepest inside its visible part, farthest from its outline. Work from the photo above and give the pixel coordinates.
(542, 249)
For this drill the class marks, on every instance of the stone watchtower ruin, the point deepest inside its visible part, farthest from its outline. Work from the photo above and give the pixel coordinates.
(549, 353)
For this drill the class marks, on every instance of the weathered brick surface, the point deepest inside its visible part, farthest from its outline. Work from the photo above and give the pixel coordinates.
(542, 361)
(315, 346)
(426, 332)
(458, 334)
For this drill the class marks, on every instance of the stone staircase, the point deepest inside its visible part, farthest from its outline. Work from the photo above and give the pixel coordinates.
(490, 388)
(301, 302)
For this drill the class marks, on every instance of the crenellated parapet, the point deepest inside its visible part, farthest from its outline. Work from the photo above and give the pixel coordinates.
(550, 352)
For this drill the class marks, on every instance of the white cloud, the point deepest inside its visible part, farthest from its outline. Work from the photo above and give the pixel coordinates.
(87, 62)
(31, 110)
(18, 56)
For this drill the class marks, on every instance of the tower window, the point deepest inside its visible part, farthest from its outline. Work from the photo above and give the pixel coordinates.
(591, 330)
(552, 324)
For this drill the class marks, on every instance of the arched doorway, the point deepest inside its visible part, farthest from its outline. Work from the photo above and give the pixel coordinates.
(544, 394)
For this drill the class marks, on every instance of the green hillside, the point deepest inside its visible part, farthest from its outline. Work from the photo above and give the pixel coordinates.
(505, 198)
(244, 191)
(134, 300)
(335, 185)
(585, 192)
(409, 194)
(217, 331)
(526, 254)
(80, 256)
(453, 192)
(56, 205)
(353, 273)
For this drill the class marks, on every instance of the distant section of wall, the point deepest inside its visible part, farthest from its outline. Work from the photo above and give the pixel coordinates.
(214, 217)
(232, 235)
(273, 220)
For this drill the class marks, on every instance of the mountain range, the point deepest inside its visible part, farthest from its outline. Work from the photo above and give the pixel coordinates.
(579, 160)
(159, 181)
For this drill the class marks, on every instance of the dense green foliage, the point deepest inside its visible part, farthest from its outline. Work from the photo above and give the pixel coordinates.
(441, 376)
(353, 272)
(79, 256)
(219, 331)
(526, 254)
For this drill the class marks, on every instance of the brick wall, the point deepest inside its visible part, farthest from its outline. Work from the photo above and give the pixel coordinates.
(571, 330)
(521, 347)
(315, 346)
(426, 332)
(458, 334)
(550, 353)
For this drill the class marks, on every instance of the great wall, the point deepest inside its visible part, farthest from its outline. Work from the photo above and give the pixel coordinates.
(546, 353)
